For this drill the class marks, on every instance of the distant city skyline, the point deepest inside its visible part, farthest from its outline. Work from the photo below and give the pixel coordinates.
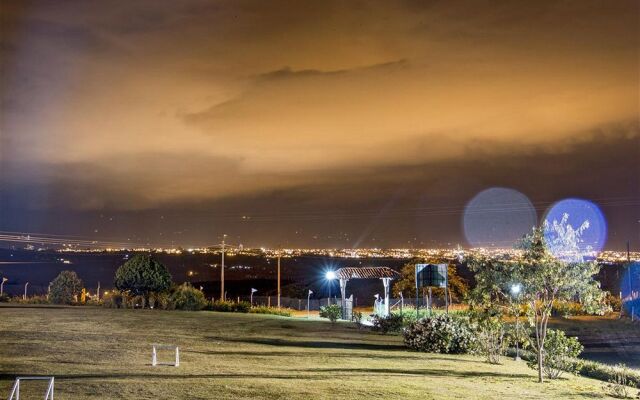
(321, 125)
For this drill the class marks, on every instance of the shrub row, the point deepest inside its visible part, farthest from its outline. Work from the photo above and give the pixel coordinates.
(283, 312)
(229, 306)
(183, 297)
(19, 300)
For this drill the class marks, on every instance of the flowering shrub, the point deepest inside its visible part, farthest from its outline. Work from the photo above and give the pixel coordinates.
(440, 334)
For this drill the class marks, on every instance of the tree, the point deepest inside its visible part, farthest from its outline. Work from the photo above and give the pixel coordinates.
(542, 278)
(65, 288)
(406, 285)
(142, 275)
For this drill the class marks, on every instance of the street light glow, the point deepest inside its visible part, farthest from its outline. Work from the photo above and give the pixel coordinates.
(516, 288)
(330, 275)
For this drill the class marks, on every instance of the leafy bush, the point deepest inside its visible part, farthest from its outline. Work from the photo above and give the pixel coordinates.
(283, 312)
(607, 373)
(440, 334)
(409, 314)
(491, 341)
(115, 299)
(229, 306)
(619, 384)
(614, 302)
(163, 301)
(186, 297)
(390, 323)
(152, 300)
(141, 275)
(137, 301)
(559, 355)
(4, 298)
(332, 312)
(93, 302)
(357, 317)
(30, 300)
(65, 288)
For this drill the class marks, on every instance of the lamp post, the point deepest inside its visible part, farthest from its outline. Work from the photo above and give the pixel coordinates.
(223, 245)
(308, 299)
(25, 291)
(222, 296)
(251, 296)
(330, 275)
(515, 292)
(2, 285)
(278, 278)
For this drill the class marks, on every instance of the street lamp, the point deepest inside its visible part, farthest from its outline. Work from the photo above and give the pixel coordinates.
(308, 298)
(25, 290)
(251, 296)
(330, 276)
(2, 285)
(515, 292)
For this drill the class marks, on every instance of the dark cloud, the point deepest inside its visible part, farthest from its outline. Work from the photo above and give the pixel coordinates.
(332, 117)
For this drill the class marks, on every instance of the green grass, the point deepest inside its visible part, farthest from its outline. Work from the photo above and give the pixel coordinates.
(106, 354)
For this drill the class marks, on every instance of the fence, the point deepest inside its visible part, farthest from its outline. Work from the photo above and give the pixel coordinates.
(315, 304)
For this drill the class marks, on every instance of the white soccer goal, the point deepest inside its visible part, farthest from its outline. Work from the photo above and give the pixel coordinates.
(154, 355)
(15, 392)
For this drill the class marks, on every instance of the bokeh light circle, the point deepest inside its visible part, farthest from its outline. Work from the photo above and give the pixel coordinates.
(575, 229)
(498, 218)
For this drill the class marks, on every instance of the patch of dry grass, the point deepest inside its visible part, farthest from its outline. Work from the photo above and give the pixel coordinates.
(106, 354)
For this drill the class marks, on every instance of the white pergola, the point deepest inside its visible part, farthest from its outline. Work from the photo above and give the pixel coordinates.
(386, 274)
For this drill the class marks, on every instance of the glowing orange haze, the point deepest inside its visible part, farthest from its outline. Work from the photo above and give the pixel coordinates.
(159, 103)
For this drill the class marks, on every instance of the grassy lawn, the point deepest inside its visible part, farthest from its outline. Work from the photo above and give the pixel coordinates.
(106, 354)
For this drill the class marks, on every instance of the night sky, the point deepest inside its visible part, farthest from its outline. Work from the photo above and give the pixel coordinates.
(316, 124)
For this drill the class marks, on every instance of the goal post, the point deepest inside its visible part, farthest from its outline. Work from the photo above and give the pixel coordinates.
(154, 355)
(15, 392)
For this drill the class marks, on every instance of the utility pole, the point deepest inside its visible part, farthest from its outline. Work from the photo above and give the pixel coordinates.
(222, 294)
(25, 290)
(98, 291)
(278, 278)
(629, 270)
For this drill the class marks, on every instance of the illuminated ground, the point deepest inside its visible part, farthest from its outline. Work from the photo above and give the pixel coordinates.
(102, 353)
